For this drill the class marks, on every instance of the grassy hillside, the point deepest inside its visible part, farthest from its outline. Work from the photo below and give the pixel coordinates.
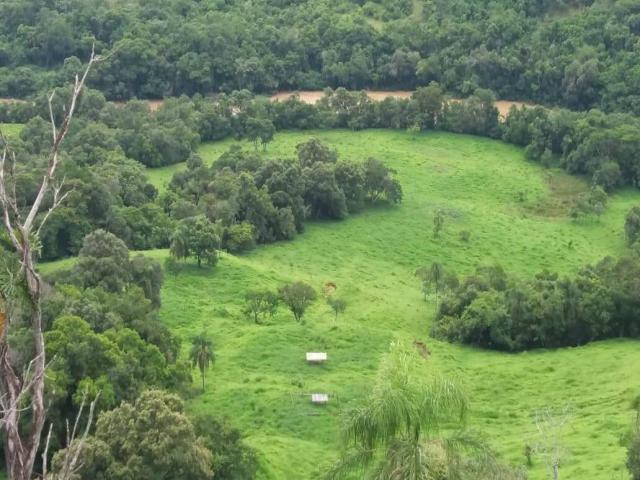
(371, 257)
(11, 129)
(516, 214)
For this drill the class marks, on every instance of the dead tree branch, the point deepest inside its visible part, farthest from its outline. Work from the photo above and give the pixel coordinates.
(21, 444)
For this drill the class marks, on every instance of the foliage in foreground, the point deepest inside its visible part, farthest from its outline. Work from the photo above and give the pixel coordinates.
(152, 437)
(149, 438)
(633, 445)
(412, 427)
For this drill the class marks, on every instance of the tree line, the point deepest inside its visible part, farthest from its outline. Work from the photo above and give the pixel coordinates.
(249, 200)
(490, 309)
(577, 53)
(604, 147)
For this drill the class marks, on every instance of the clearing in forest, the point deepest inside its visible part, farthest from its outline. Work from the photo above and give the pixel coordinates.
(485, 187)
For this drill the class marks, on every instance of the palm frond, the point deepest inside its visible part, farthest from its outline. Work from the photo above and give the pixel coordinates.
(356, 459)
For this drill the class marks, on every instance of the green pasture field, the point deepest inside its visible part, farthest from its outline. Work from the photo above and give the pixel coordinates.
(517, 215)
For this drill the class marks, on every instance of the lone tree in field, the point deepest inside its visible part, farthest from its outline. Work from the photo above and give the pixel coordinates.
(267, 131)
(22, 381)
(298, 296)
(438, 223)
(202, 354)
(259, 304)
(338, 305)
(435, 278)
(196, 237)
(632, 225)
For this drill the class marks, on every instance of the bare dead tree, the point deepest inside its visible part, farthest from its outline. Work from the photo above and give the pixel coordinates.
(550, 425)
(22, 390)
(71, 455)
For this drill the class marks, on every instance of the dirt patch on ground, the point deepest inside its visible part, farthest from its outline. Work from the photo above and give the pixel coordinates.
(12, 100)
(329, 289)
(313, 96)
(504, 106)
(152, 105)
(422, 348)
(565, 192)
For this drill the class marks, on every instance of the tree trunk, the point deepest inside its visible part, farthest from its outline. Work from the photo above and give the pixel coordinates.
(23, 391)
(21, 448)
(436, 312)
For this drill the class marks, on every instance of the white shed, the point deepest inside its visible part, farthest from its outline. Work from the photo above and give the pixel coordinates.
(320, 398)
(316, 357)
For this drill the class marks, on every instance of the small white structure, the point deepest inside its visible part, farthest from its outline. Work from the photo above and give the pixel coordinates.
(320, 398)
(316, 357)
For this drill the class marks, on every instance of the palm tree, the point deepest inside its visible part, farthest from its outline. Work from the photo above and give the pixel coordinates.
(399, 432)
(201, 354)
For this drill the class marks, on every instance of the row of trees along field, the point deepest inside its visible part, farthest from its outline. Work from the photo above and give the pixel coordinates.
(576, 53)
(489, 309)
(109, 145)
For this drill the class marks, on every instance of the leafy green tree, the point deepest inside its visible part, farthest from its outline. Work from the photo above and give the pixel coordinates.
(239, 237)
(103, 261)
(338, 305)
(259, 130)
(632, 225)
(202, 354)
(429, 101)
(314, 151)
(592, 202)
(147, 274)
(260, 303)
(608, 176)
(298, 296)
(267, 131)
(151, 437)
(233, 459)
(435, 278)
(323, 195)
(401, 429)
(196, 237)
(379, 182)
(438, 223)
(351, 179)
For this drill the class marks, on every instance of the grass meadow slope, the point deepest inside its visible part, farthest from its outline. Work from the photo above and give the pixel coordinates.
(516, 213)
(11, 130)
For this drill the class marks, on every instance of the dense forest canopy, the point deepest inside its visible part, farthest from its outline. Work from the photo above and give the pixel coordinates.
(211, 61)
(579, 53)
